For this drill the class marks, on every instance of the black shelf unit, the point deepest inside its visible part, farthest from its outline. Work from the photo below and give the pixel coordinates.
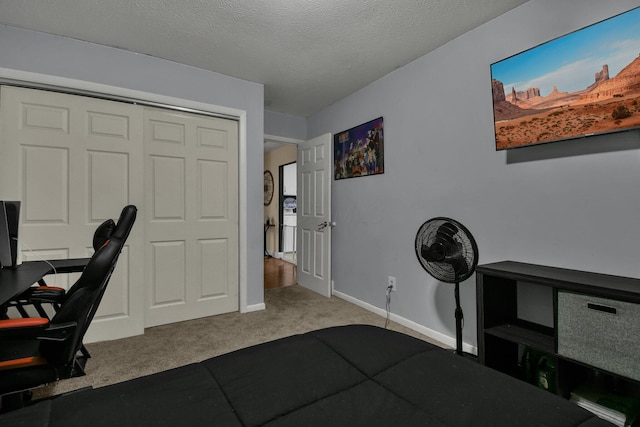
(503, 336)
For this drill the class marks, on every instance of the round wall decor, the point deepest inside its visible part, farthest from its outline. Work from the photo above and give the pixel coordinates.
(268, 188)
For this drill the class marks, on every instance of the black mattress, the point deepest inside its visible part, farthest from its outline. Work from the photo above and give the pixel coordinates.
(344, 376)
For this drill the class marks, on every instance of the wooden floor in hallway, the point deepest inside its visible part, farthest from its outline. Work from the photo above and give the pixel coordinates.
(279, 273)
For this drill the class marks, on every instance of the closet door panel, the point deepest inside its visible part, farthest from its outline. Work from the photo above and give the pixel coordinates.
(191, 167)
(74, 162)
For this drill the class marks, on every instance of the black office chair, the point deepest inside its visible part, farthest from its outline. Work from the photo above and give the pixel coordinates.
(36, 351)
(42, 293)
(54, 295)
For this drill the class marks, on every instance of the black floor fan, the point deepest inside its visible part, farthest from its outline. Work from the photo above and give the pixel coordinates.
(449, 253)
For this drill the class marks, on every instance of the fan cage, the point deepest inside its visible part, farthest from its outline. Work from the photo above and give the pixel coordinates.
(444, 271)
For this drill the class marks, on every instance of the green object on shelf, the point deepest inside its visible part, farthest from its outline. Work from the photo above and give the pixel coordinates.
(546, 373)
(539, 369)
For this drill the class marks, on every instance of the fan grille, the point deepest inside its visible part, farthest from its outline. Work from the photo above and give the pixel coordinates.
(446, 250)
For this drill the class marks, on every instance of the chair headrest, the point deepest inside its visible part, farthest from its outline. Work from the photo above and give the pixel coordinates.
(103, 233)
(125, 223)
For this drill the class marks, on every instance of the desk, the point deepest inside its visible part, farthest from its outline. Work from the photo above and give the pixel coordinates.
(14, 281)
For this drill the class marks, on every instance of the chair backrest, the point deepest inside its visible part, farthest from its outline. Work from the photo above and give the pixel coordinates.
(82, 304)
(100, 237)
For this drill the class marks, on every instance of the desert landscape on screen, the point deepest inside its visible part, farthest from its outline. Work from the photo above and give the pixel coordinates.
(525, 117)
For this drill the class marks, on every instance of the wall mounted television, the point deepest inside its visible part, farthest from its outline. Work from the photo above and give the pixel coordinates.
(581, 84)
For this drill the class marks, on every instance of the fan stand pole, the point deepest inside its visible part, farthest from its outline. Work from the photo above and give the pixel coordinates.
(459, 317)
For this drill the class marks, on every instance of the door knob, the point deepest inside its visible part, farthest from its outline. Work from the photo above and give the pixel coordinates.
(326, 224)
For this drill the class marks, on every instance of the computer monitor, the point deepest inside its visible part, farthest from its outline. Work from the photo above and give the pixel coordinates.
(9, 221)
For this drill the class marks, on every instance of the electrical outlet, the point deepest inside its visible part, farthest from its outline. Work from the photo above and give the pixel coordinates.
(392, 284)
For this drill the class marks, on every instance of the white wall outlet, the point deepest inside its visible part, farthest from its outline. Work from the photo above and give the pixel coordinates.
(392, 284)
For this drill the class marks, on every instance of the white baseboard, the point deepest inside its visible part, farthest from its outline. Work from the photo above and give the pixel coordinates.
(254, 307)
(438, 336)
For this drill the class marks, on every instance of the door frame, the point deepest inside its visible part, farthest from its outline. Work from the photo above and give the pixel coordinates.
(80, 87)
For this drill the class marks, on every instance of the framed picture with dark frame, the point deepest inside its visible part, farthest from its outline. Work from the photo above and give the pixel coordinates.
(359, 151)
(581, 84)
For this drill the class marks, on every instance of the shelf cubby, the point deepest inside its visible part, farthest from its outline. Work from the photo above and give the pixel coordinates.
(504, 336)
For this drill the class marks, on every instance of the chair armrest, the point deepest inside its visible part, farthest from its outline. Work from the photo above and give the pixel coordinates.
(50, 294)
(23, 327)
(36, 328)
(73, 265)
(58, 332)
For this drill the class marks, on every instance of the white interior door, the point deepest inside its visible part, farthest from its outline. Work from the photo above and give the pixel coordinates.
(314, 214)
(191, 236)
(74, 162)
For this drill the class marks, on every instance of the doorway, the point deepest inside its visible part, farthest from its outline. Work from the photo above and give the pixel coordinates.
(280, 156)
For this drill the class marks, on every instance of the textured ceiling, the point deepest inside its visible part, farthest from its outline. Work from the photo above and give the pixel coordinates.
(307, 53)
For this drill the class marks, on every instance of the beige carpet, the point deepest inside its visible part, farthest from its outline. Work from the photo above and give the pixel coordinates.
(290, 310)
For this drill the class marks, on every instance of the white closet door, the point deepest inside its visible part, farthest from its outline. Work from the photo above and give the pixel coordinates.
(191, 199)
(73, 162)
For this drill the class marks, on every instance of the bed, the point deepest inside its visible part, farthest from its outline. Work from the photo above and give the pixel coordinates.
(353, 375)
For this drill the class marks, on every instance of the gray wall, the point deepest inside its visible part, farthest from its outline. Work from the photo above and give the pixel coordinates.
(570, 204)
(285, 125)
(40, 53)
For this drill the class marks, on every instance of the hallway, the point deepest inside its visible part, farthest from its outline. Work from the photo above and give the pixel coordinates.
(279, 273)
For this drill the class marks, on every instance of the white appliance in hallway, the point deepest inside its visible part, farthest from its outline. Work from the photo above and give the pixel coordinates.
(289, 219)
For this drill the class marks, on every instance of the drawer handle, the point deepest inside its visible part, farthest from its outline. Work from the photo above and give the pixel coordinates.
(603, 308)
